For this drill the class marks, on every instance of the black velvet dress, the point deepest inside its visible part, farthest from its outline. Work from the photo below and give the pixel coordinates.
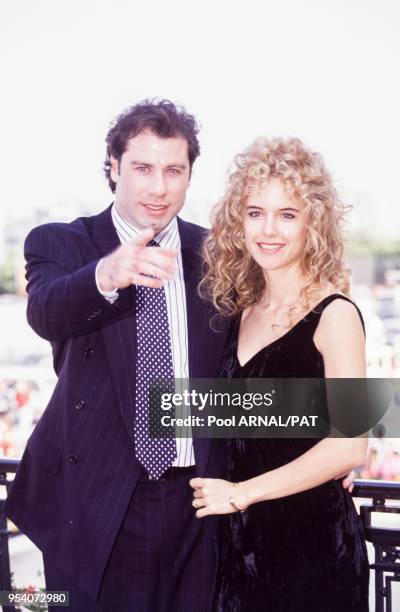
(305, 552)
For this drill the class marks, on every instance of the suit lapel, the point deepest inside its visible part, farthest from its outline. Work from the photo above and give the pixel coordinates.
(198, 310)
(119, 336)
(198, 316)
(103, 232)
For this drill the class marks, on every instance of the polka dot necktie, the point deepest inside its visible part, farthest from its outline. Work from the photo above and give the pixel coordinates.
(153, 363)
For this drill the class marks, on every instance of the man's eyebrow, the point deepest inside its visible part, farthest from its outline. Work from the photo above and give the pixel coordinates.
(135, 162)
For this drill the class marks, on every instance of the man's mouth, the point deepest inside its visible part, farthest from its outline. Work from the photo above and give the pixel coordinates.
(270, 247)
(155, 209)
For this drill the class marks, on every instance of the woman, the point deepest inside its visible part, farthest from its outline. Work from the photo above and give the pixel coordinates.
(292, 540)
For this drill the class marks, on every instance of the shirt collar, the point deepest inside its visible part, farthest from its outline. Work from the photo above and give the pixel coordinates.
(168, 237)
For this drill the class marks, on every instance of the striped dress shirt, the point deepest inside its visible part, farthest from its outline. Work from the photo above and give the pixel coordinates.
(177, 320)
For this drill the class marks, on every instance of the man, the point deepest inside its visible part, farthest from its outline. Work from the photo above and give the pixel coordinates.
(109, 507)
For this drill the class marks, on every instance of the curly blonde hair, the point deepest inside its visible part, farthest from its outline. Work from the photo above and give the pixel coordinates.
(232, 279)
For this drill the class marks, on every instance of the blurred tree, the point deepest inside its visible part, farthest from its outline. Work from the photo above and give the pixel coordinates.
(7, 276)
(362, 243)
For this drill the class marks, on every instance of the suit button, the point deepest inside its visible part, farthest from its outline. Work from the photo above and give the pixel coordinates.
(88, 352)
(79, 404)
(73, 459)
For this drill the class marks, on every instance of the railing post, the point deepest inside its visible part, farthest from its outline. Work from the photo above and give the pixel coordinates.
(386, 541)
(379, 590)
(6, 466)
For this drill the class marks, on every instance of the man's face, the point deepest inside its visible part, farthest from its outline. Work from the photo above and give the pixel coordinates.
(151, 179)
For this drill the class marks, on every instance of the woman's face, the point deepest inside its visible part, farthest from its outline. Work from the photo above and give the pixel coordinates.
(275, 228)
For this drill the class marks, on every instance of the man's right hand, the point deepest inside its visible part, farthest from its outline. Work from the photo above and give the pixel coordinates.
(134, 261)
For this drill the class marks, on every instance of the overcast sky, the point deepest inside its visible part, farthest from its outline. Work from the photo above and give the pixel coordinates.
(326, 71)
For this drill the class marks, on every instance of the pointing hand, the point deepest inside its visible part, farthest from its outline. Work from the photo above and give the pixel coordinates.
(136, 263)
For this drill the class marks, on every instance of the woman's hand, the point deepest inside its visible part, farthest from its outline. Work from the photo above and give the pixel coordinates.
(347, 480)
(215, 496)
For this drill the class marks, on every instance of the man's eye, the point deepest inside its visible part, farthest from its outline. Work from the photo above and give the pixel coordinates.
(174, 170)
(143, 168)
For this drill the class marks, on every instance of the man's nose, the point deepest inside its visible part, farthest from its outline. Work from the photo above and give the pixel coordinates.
(157, 184)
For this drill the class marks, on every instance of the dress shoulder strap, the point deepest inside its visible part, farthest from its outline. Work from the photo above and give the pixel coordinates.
(315, 314)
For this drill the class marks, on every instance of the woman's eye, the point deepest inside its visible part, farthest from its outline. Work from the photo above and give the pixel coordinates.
(254, 214)
(288, 216)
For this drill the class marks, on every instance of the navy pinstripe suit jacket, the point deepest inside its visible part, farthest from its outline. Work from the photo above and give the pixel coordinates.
(78, 471)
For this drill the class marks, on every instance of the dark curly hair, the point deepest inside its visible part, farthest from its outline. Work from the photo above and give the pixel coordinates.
(162, 117)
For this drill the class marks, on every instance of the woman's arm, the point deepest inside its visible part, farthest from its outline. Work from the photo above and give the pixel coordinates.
(340, 339)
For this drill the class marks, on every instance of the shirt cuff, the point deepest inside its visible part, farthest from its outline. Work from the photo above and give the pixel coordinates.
(110, 296)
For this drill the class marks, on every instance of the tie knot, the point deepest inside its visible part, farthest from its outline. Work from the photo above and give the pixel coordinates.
(153, 243)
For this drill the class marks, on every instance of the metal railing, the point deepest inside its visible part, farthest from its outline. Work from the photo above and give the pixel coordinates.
(386, 541)
(7, 466)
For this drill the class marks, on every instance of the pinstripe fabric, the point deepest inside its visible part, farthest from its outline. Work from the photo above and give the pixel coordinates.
(177, 319)
(168, 572)
(79, 483)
